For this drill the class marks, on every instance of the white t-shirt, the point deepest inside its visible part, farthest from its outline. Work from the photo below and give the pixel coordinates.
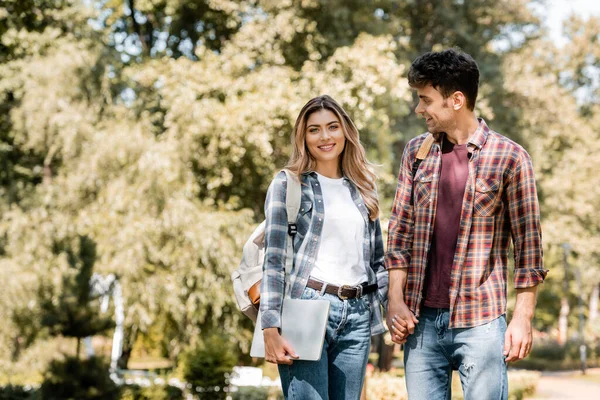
(340, 260)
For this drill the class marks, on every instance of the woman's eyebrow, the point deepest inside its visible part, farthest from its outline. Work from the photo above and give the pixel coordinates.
(329, 123)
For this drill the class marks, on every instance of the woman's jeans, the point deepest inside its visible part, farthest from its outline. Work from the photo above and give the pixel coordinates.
(434, 350)
(340, 372)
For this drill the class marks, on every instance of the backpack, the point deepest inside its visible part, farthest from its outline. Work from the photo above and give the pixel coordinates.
(246, 279)
(421, 155)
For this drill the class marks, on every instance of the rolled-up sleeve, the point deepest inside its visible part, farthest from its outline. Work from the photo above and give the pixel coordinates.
(400, 229)
(524, 212)
(272, 285)
(378, 264)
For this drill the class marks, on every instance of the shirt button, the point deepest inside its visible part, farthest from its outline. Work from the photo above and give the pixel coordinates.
(316, 184)
(431, 200)
(319, 201)
(315, 239)
(320, 219)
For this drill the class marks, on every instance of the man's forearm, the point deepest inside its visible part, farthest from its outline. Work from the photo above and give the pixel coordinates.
(525, 304)
(397, 282)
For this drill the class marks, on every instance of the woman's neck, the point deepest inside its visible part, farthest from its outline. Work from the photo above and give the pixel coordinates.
(330, 169)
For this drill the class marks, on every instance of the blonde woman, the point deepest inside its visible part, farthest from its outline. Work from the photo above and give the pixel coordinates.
(338, 254)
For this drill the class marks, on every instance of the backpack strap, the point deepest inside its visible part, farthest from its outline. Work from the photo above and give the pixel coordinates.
(421, 155)
(292, 205)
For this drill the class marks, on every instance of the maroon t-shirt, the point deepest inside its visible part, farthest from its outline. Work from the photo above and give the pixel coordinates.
(453, 179)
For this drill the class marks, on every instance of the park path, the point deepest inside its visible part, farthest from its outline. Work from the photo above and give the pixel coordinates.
(568, 385)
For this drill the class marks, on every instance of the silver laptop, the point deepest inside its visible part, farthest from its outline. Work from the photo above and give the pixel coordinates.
(303, 325)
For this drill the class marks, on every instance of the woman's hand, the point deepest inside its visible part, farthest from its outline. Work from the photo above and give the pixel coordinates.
(277, 349)
(401, 321)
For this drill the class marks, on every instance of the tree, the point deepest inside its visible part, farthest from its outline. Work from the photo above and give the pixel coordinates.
(153, 129)
(69, 309)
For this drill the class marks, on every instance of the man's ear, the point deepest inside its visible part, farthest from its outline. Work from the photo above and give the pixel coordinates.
(458, 100)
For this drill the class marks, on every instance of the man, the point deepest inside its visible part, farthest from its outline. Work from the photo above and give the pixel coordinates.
(449, 237)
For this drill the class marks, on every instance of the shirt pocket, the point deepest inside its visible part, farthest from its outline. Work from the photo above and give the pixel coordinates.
(304, 217)
(422, 188)
(487, 191)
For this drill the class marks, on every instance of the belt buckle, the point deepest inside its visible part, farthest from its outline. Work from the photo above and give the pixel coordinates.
(339, 293)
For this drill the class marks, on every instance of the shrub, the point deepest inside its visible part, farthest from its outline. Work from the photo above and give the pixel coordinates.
(386, 386)
(11, 392)
(154, 392)
(256, 393)
(206, 365)
(548, 355)
(72, 378)
(522, 384)
(250, 393)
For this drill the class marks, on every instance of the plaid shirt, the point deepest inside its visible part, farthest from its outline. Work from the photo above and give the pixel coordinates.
(306, 247)
(500, 202)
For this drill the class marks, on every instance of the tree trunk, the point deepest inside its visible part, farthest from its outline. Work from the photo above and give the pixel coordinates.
(16, 350)
(563, 320)
(129, 338)
(594, 303)
(386, 356)
(78, 348)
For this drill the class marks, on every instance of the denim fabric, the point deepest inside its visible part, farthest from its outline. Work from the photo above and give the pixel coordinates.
(434, 351)
(339, 374)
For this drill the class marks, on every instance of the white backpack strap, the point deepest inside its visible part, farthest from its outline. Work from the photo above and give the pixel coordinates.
(292, 205)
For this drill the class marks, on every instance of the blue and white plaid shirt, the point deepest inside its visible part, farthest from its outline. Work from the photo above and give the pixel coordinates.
(306, 247)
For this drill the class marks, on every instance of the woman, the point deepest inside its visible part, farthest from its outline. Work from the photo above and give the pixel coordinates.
(338, 242)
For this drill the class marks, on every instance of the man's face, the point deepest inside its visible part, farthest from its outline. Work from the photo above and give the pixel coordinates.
(436, 110)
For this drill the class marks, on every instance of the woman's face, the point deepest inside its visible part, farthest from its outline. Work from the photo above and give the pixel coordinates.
(325, 137)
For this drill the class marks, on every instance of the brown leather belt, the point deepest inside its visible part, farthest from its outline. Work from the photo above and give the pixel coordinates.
(343, 292)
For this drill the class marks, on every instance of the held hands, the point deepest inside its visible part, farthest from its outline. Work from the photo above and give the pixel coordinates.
(277, 349)
(401, 321)
(518, 339)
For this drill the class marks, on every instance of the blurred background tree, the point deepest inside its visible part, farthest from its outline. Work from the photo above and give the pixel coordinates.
(153, 128)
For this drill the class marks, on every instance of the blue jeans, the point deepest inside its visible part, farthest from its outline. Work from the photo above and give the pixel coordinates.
(340, 372)
(434, 351)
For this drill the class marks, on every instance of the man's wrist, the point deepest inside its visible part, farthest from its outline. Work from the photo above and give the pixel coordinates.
(396, 299)
(523, 316)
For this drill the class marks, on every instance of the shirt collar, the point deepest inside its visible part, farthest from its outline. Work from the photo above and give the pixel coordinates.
(477, 139)
(480, 135)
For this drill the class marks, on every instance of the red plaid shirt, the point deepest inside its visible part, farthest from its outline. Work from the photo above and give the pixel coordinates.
(500, 202)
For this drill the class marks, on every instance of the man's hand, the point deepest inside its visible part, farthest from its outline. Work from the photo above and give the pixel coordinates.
(277, 349)
(518, 339)
(400, 320)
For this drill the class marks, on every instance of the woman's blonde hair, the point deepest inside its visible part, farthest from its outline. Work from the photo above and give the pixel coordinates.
(353, 161)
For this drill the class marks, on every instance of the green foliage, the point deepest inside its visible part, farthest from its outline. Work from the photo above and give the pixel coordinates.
(256, 393)
(153, 128)
(207, 366)
(551, 356)
(522, 384)
(154, 392)
(11, 392)
(76, 379)
(70, 311)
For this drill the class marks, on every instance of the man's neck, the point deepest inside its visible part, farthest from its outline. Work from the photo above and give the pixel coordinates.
(464, 128)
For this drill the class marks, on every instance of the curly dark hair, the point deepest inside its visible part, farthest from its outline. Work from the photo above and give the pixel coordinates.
(448, 71)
